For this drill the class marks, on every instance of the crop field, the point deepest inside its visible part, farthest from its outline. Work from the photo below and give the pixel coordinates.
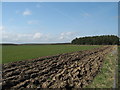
(69, 70)
(67, 66)
(24, 52)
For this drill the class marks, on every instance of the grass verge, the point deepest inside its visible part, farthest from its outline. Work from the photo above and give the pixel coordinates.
(106, 76)
(119, 67)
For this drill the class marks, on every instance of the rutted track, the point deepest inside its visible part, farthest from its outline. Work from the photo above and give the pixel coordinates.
(71, 70)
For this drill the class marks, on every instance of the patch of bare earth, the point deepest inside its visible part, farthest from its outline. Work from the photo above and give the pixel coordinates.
(70, 70)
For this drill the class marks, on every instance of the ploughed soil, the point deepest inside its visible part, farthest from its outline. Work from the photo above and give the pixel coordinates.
(70, 70)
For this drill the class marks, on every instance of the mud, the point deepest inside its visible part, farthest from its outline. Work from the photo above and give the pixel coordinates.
(70, 70)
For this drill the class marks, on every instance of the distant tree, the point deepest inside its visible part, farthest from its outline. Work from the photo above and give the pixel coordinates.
(97, 40)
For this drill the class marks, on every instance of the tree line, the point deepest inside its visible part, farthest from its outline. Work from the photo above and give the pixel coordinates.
(97, 40)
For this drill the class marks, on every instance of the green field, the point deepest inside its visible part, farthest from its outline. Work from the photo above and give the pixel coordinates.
(24, 52)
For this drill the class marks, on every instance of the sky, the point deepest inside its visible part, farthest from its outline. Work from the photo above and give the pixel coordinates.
(60, 0)
(57, 22)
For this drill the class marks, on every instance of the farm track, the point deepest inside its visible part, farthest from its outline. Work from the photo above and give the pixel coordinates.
(70, 70)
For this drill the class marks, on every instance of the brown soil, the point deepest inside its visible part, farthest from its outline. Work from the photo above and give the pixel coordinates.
(70, 70)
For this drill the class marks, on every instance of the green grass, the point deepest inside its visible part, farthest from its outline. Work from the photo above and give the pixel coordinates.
(105, 79)
(0, 53)
(24, 52)
(119, 67)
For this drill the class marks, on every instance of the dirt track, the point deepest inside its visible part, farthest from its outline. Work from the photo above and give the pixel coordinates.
(71, 70)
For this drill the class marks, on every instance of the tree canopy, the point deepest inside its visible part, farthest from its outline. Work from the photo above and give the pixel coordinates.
(97, 40)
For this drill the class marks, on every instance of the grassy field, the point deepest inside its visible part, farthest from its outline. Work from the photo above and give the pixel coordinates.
(24, 52)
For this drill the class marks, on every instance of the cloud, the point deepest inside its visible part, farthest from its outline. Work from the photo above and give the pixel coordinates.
(66, 35)
(32, 22)
(27, 12)
(24, 35)
(37, 35)
(2, 28)
(1, 31)
(21, 37)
